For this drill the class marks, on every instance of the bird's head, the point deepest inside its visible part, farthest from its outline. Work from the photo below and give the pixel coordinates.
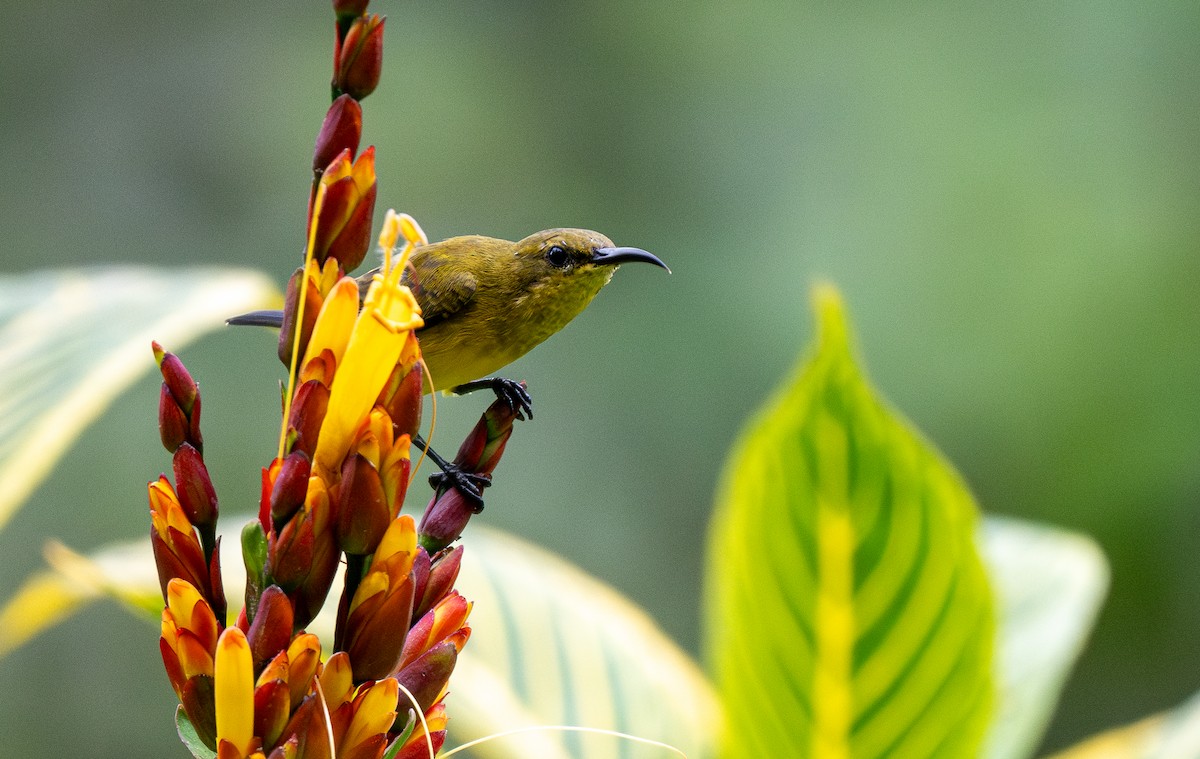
(574, 262)
(558, 272)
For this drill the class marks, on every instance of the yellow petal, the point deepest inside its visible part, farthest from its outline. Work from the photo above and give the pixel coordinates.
(334, 322)
(337, 680)
(304, 654)
(182, 598)
(373, 584)
(401, 537)
(233, 686)
(375, 712)
(341, 167)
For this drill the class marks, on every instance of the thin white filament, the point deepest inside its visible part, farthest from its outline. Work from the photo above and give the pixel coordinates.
(565, 729)
(421, 716)
(325, 713)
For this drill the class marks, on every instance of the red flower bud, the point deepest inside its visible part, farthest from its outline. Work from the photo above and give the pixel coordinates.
(374, 640)
(420, 571)
(341, 130)
(198, 699)
(176, 547)
(310, 596)
(312, 307)
(291, 486)
(178, 403)
(359, 58)
(381, 608)
(481, 451)
(271, 710)
(345, 8)
(173, 424)
(271, 630)
(363, 514)
(401, 399)
(444, 520)
(344, 222)
(448, 512)
(446, 621)
(290, 556)
(427, 675)
(442, 576)
(183, 388)
(308, 411)
(194, 488)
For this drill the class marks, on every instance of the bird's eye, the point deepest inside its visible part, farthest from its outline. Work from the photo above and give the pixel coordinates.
(557, 256)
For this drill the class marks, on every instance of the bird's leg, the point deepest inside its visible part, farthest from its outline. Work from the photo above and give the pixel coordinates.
(468, 484)
(510, 391)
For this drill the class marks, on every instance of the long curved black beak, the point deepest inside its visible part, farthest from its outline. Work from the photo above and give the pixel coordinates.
(614, 256)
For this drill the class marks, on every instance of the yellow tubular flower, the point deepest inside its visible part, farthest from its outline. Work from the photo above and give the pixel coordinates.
(374, 713)
(334, 321)
(337, 680)
(389, 314)
(233, 685)
(189, 611)
(189, 636)
(304, 656)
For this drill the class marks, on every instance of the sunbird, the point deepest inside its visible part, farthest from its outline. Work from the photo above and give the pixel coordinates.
(486, 302)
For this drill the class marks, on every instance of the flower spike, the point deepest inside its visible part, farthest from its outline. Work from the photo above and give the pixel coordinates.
(257, 688)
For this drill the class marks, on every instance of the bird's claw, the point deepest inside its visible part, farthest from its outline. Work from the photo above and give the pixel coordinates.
(512, 392)
(469, 484)
(519, 401)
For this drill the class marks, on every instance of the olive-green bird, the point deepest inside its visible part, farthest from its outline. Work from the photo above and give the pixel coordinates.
(487, 302)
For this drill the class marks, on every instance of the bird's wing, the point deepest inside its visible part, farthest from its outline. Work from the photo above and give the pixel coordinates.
(441, 289)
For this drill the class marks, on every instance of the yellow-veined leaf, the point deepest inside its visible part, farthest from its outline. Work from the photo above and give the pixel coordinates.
(71, 341)
(554, 646)
(1049, 585)
(849, 614)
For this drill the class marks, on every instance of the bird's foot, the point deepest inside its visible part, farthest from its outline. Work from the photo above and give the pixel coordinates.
(468, 484)
(519, 401)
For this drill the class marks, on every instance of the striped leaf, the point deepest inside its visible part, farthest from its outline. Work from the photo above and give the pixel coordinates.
(71, 341)
(849, 615)
(551, 645)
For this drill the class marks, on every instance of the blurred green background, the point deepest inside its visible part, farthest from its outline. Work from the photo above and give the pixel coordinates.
(1008, 197)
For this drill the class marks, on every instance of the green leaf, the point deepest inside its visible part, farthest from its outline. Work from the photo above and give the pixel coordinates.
(187, 734)
(1049, 586)
(551, 645)
(71, 341)
(848, 611)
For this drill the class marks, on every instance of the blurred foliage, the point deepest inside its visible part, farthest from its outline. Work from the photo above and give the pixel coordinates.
(1006, 195)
